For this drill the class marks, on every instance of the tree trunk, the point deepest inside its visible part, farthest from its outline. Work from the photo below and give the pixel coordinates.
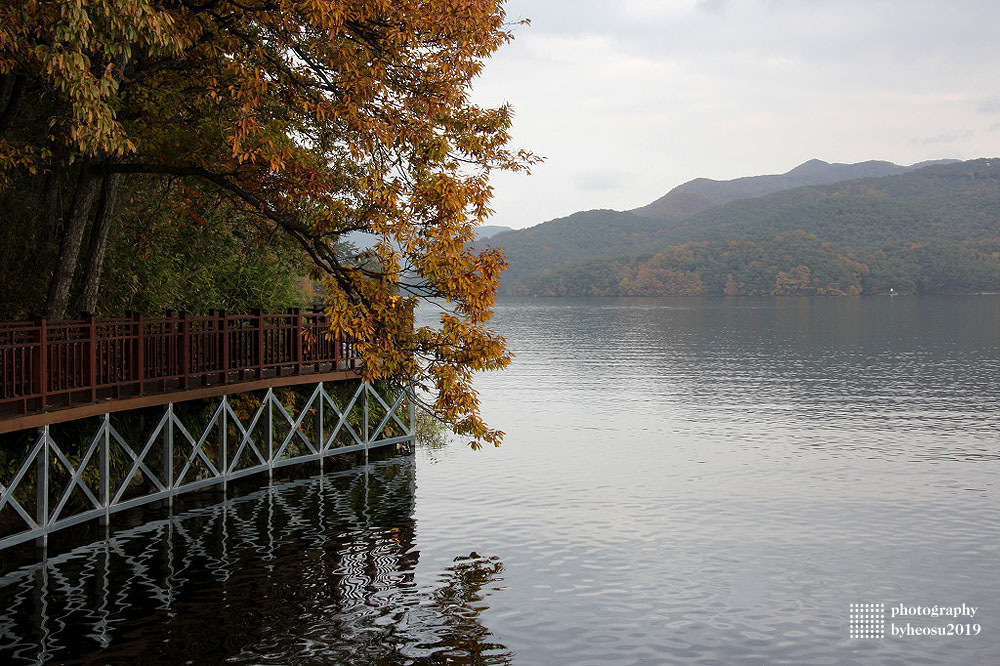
(69, 246)
(11, 87)
(50, 222)
(99, 242)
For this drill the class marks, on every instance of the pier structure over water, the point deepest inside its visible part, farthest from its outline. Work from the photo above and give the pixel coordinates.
(102, 415)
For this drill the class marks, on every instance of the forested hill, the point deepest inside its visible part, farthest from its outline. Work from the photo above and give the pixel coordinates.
(587, 234)
(954, 207)
(957, 202)
(701, 194)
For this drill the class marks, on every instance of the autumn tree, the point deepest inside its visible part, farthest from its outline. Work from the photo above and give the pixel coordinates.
(315, 118)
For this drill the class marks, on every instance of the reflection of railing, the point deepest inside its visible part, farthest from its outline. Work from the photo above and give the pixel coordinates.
(261, 553)
(56, 363)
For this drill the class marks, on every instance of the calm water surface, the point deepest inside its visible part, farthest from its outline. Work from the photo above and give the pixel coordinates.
(708, 481)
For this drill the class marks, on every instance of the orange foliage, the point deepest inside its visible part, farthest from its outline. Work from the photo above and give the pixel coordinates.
(320, 117)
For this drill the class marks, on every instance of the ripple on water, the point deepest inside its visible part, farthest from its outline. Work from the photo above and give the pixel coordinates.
(704, 481)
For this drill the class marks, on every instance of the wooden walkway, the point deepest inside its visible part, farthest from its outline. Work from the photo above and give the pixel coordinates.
(55, 371)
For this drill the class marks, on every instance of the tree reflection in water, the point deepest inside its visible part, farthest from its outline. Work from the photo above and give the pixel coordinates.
(315, 571)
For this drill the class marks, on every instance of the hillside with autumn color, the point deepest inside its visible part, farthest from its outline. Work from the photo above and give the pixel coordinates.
(934, 229)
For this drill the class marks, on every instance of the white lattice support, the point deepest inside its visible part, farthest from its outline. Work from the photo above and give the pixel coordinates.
(223, 443)
(342, 419)
(411, 411)
(197, 447)
(105, 473)
(109, 496)
(319, 419)
(76, 476)
(42, 488)
(390, 413)
(168, 448)
(296, 424)
(365, 388)
(270, 432)
(7, 498)
(246, 438)
(137, 460)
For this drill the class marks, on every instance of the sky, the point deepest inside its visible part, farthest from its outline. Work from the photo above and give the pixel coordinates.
(630, 98)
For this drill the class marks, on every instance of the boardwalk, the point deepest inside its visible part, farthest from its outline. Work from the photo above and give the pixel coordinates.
(53, 371)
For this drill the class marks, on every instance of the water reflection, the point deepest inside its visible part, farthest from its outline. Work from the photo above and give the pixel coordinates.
(812, 366)
(315, 571)
(714, 481)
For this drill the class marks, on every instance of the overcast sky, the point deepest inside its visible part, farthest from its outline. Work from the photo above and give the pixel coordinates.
(627, 99)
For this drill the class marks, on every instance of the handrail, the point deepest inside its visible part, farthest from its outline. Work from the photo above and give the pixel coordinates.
(46, 364)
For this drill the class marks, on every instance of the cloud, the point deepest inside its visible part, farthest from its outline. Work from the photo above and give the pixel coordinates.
(713, 6)
(989, 106)
(601, 179)
(947, 137)
(629, 99)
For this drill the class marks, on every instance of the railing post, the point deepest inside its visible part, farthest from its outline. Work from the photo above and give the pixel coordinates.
(224, 326)
(105, 472)
(364, 388)
(269, 398)
(168, 454)
(411, 409)
(297, 340)
(140, 351)
(319, 420)
(185, 350)
(92, 371)
(224, 444)
(42, 487)
(336, 340)
(259, 314)
(42, 364)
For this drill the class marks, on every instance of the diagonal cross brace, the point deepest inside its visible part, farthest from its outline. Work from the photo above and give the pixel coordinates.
(196, 449)
(8, 492)
(295, 425)
(342, 420)
(138, 464)
(246, 437)
(76, 474)
(389, 412)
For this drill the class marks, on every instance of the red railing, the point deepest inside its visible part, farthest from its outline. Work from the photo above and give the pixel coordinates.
(57, 363)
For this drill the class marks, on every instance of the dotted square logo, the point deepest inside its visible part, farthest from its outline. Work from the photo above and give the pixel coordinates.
(867, 621)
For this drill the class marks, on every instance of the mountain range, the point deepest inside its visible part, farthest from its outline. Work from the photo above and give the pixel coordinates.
(701, 194)
(861, 207)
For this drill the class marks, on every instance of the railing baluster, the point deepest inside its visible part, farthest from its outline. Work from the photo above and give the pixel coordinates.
(224, 325)
(297, 341)
(140, 352)
(92, 345)
(48, 364)
(260, 341)
(41, 379)
(185, 341)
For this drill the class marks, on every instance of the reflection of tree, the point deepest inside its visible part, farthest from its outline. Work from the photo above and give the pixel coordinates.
(432, 436)
(455, 614)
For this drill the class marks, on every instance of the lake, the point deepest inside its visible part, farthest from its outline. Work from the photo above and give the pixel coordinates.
(700, 480)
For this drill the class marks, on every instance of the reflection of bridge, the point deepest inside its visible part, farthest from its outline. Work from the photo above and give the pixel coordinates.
(260, 553)
(318, 570)
(105, 415)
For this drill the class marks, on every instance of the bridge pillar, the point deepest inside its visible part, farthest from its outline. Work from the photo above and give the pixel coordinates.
(42, 489)
(223, 444)
(105, 473)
